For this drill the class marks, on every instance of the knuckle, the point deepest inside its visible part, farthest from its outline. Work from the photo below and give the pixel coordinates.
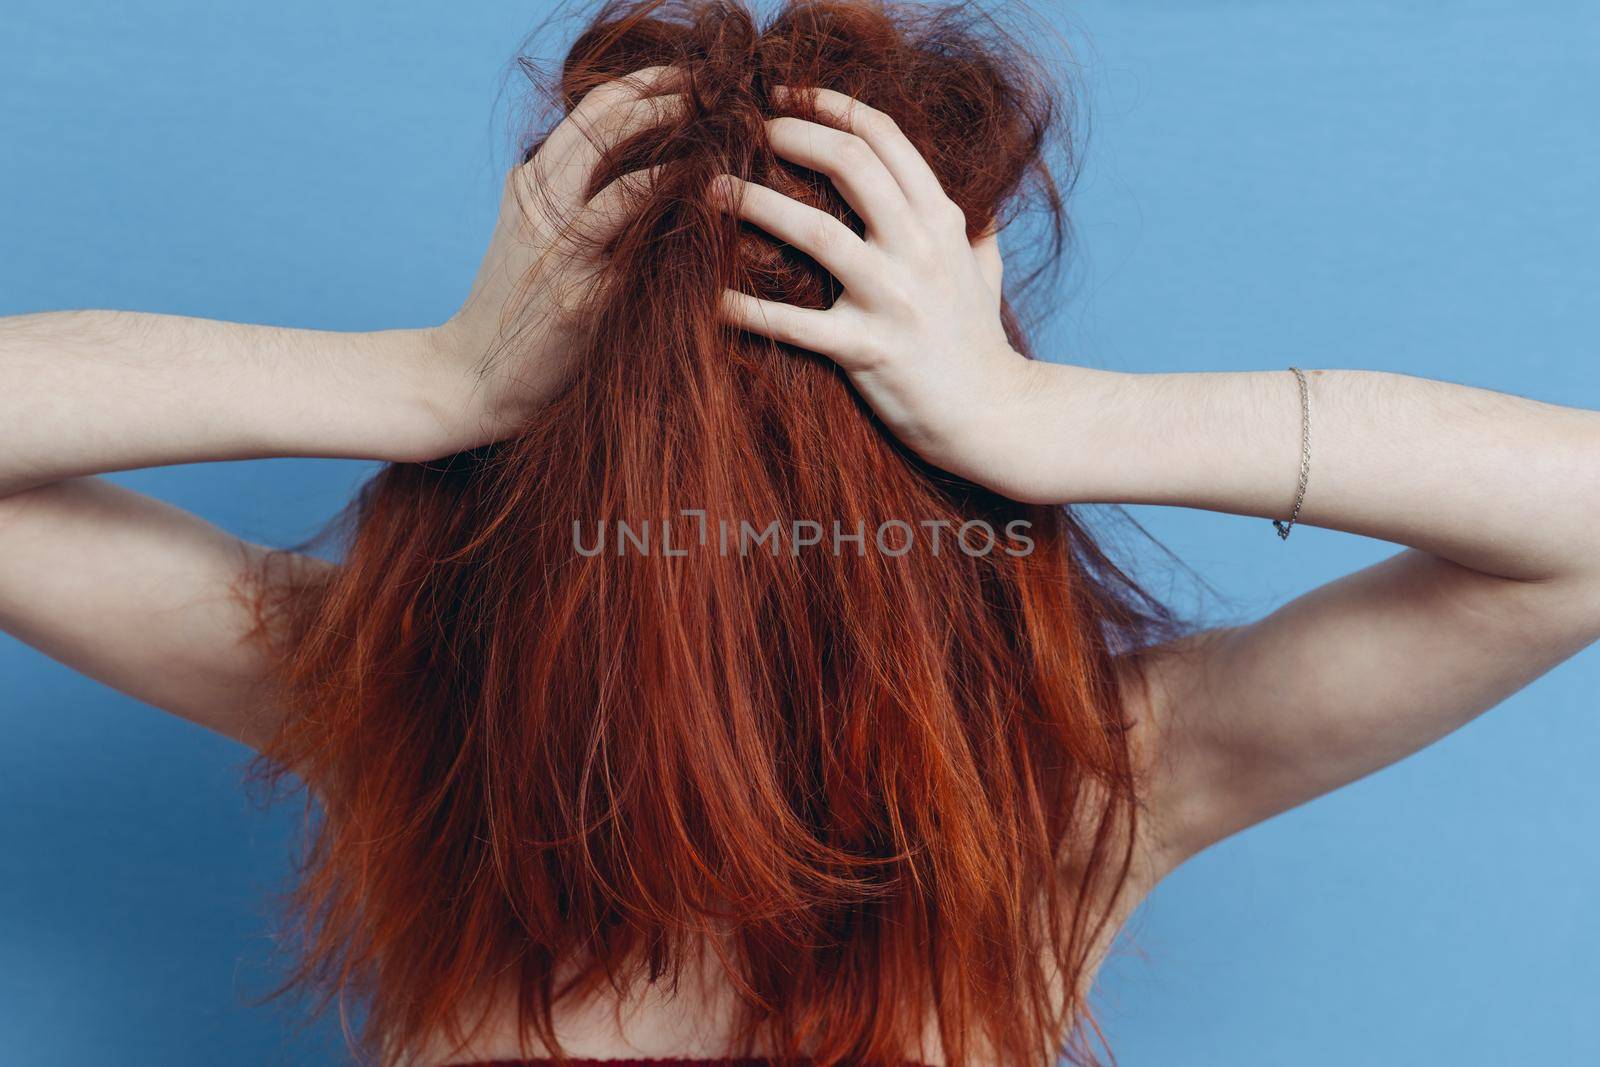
(895, 297)
(869, 351)
(782, 130)
(600, 99)
(952, 214)
(668, 107)
(854, 153)
(534, 174)
(629, 86)
(621, 117)
(918, 245)
(822, 233)
(871, 121)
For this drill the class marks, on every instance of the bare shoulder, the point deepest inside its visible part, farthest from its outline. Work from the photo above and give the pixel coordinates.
(1237, 724)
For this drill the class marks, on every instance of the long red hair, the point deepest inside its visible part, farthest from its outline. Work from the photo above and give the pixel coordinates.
(883, 786)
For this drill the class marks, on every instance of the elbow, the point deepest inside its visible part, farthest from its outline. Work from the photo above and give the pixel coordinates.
(1589, 600)
(1572, 604)
(1588, 546)
(1573, 586)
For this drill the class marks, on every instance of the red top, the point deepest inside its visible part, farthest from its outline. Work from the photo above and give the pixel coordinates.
(755, 1062)
(620, 1063)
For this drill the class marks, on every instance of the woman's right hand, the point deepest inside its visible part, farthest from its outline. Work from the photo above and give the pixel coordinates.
(540, 261)
(918, 328)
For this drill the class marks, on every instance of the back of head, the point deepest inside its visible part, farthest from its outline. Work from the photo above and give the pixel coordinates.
(572, 713)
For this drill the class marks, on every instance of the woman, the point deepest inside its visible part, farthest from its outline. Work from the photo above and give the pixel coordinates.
(713, 671)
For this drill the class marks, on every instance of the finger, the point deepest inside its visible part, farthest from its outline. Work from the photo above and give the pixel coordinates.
(854, 167)
(816, 233)
(910, 170)
(648, 81)
(986, 247)
(568, 158)
(802, 327)
(613, 206)
(593, 111)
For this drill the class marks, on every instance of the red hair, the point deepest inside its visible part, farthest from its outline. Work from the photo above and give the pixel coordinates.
(878, 785)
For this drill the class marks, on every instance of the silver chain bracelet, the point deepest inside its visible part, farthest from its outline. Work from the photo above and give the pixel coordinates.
(1283, 527)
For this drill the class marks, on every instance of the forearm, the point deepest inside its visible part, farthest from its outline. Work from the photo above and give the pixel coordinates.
(1501, 484)
(85, 392)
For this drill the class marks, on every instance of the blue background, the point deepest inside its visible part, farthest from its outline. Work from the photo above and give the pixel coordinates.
(1403, 185)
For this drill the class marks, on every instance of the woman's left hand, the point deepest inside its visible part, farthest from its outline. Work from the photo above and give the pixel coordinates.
(542, 259)
(917, 329)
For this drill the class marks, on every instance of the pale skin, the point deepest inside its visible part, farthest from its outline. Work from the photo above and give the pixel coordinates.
(1495, 499)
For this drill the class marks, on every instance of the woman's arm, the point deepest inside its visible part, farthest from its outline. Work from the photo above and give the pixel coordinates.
(141, 595)
(86, 392)
(1501, 484)
(1498, 497)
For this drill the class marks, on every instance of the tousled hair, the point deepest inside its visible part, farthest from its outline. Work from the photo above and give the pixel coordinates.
(878, 788)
